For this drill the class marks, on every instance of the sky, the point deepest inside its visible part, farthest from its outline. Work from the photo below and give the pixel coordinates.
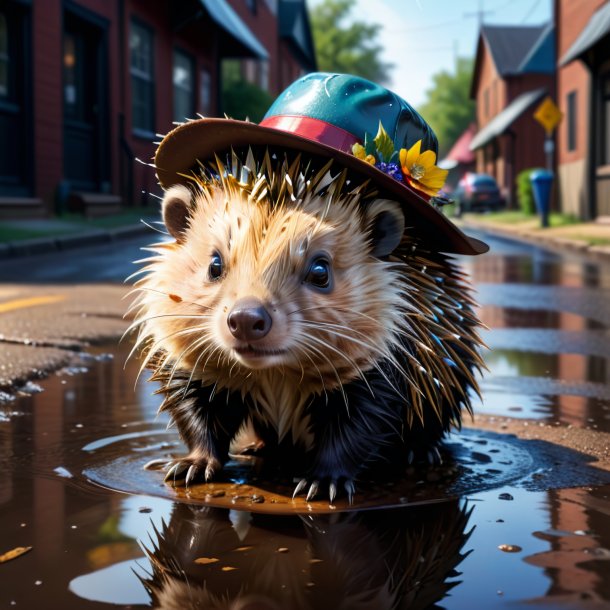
(421, 37)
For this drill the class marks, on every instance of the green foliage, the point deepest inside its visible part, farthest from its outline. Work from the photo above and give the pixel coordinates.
(241, 99)
(385, 146)
(347, 46)
(525, 194)
(448, 108)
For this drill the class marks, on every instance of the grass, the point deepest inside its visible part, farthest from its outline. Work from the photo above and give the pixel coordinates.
(129, 217)
(563, 226)
(517, 217)
(68, 223)
(591, 240)
(17, 233)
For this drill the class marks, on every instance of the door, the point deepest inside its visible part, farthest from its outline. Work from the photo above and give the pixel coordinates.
(84, 100)
(15, 143)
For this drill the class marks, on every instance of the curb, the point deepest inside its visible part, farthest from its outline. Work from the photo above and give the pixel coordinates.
(45, 245)
(554, 243)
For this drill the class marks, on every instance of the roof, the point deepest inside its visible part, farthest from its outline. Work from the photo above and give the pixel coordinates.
(541, 57)
(597, 27)
(460, 152)
(295, 27)
(516, 50)
(502, 121)
(243, 41)
(509, 45)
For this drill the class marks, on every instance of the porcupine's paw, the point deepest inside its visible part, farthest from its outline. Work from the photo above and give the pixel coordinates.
(317, 487)
(431, 456)
(186, 470)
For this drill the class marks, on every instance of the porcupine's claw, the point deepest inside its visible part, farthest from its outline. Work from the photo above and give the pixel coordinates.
(350, 488)
(158, 464)
(333, 489)
(313, 490)
(191, 474)
(299, 488)
(184, 471)
(434, 457)
(175, 471)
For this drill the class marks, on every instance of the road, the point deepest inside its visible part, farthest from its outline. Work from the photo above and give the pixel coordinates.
(72, 444)
(110, 262)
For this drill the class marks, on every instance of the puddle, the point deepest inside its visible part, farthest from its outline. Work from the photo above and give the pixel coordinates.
(473, 461)
(76, 493)
(504, 522)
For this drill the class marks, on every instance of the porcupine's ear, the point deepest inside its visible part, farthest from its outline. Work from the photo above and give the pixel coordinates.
(175, 206)
(386, 224)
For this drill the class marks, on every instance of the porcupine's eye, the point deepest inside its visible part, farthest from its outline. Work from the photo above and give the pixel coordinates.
(216, 267)
(319, 274)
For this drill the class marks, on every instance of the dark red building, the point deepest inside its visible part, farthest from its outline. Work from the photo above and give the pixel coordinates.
(86, 84)
(514, 71)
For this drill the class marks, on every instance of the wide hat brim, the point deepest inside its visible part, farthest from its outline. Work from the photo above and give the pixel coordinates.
(200, 139)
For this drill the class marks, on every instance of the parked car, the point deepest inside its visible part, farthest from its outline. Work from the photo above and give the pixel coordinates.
(477, 193)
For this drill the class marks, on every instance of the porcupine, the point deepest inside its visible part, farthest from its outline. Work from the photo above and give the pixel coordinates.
(294, 300)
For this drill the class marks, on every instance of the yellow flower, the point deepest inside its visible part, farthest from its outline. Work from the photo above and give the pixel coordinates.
(360, 152)
(420, 170)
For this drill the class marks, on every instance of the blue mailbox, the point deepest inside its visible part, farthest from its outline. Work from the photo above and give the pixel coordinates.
(542, 184)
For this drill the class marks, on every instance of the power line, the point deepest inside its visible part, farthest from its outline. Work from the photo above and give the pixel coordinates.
(531, 11)
(422, 28)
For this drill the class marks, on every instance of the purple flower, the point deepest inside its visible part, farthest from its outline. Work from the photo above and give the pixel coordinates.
(391, 169)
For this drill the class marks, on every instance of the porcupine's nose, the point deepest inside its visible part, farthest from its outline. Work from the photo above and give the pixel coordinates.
(249, 320)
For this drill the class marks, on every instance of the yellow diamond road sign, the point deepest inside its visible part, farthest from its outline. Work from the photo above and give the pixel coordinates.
(548, 115)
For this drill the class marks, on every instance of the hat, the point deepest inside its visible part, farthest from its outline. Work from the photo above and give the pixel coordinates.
(334, 116)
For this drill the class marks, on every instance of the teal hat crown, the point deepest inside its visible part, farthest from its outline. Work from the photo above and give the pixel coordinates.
(351, 104)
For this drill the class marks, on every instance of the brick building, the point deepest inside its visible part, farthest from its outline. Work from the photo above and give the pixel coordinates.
(86, 84)
(514, 70)
(583, 94)
(283, 28)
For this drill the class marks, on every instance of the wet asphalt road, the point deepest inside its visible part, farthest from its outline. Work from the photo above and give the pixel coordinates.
(522, 520)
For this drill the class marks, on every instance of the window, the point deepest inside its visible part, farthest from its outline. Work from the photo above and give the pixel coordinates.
(605, 112)
(571, 120)
(142, 80)
(71, 97)
(252, 6)
(4, 57)
(486, 102)
(184, 86)
(205, 92)
(264, 75)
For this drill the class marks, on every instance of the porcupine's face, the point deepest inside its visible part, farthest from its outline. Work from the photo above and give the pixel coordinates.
(250, 285)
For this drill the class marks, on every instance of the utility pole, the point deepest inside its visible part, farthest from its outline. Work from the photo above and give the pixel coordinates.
(480, 14)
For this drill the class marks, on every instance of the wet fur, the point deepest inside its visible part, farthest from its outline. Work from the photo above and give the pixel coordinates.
(375, 371)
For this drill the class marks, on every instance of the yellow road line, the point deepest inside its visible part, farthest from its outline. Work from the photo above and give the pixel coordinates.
(31, 302)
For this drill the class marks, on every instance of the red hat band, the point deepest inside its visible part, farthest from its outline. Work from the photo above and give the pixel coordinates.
(313, 129)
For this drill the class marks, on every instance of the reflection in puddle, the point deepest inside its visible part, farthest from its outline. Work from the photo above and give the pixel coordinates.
(548, 317)
(212, 558)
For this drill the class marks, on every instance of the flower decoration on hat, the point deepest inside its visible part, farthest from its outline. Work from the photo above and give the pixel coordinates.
(413, 167)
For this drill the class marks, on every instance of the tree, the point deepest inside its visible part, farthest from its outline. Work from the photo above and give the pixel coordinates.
(241, 99)
(347, 46)
(448, 108)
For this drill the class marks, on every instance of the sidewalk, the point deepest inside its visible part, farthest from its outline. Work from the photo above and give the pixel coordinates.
(585, 237)
(23, 237)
